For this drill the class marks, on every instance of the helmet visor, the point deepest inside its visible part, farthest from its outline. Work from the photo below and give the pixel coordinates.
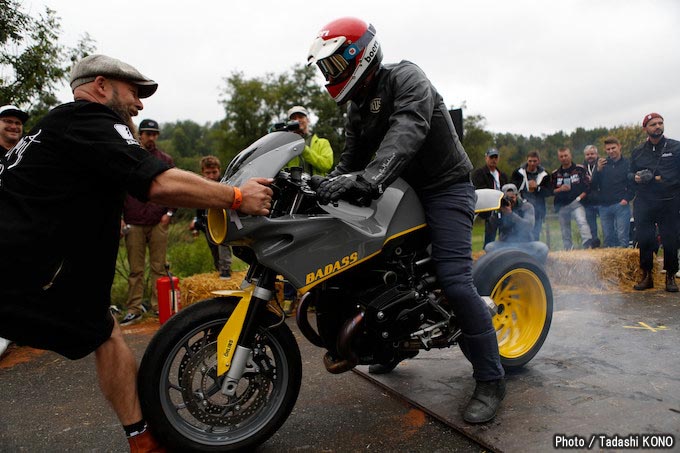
(332, 67)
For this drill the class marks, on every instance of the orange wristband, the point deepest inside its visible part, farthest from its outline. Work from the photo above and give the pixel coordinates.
(238, 198)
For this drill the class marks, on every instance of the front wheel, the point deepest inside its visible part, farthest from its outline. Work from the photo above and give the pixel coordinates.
(521, 290)
(181, 393)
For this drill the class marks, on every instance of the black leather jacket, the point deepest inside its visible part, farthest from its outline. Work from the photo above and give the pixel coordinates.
(404, 122)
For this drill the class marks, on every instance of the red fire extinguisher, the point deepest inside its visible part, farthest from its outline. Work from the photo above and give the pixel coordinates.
(169, 301)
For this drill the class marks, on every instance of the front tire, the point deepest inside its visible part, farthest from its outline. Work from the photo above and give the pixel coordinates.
(521, 290)
(180, 391)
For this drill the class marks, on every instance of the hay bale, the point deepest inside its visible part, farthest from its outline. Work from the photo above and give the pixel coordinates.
(604, 269)
(199, 286)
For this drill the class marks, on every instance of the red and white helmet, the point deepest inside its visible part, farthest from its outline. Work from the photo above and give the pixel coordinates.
(346, 51)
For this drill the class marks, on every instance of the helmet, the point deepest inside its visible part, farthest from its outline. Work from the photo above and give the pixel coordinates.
(347, 52)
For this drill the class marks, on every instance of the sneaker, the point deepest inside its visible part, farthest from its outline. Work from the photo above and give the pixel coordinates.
(225, 275)
(130, 318)
(114, 310)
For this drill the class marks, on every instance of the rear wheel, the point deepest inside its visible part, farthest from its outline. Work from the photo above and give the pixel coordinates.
(181, 393)
(521, 290)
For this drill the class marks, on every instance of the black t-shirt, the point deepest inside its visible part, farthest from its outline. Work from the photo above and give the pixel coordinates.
(61, 194)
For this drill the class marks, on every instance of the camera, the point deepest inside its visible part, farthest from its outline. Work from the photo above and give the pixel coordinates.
(506, 201)
(645, 175)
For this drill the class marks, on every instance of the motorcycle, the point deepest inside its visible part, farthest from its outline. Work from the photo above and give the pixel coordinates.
(224, 374)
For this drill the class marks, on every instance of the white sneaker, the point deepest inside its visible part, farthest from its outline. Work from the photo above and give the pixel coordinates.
(677, 274)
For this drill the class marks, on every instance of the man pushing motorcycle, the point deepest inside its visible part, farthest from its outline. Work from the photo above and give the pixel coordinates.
(394, 113)
(82, 157)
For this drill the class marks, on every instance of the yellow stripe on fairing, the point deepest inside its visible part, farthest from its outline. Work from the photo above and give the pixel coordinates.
(304, 289)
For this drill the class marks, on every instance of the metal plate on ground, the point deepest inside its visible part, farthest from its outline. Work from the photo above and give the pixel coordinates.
(609, 367)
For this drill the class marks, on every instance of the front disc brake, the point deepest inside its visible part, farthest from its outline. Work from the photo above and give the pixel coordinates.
(201, 391)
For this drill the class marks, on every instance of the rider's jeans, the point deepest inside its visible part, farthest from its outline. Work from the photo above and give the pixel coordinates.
(450, 214)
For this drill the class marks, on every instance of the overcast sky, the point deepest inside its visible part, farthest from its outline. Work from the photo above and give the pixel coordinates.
(529, 67)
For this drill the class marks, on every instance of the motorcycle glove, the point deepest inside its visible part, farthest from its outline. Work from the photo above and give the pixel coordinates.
(357, 191)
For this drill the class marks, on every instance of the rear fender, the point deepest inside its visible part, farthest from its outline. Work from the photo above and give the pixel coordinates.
(488, 200)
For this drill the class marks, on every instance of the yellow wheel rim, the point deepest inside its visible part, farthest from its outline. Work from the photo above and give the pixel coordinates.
(522, 304)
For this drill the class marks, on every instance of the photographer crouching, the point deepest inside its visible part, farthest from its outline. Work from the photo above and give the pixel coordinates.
(515, 226)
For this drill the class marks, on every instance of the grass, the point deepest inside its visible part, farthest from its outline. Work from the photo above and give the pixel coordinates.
(186, 254)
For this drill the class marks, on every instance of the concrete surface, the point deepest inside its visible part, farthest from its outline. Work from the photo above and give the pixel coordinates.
(610, 365)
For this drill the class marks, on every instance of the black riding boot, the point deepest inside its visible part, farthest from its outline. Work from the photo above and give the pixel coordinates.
(485, 401)
(647, 281)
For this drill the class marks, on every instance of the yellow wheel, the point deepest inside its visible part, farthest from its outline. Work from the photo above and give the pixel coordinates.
(521, 291)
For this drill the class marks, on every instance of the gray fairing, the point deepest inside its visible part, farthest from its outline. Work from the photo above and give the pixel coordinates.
(308, 249)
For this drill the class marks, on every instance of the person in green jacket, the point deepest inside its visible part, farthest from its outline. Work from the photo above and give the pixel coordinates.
(317, 158)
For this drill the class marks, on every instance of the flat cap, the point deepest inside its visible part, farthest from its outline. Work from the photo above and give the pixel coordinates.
(87, 69)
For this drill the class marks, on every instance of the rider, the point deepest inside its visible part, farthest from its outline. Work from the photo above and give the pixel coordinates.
(394, 113)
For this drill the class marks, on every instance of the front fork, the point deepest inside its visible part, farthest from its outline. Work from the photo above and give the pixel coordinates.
(234, 355)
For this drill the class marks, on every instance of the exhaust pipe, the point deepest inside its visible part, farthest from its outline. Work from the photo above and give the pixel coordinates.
(349, 358)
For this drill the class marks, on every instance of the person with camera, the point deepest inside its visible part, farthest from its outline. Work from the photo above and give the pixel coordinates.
(317, 157)
(655, 171)
(515, 226)
(570, 186)
(399, 126)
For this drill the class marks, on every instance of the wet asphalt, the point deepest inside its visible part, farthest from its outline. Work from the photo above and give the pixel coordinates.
(53, 404)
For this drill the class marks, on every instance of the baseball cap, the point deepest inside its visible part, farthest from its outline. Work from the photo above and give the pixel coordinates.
(648, 117)
(492, 152)
(87, 69)
(11, 110)
(149, 125)
(297, 109)
(509, 188)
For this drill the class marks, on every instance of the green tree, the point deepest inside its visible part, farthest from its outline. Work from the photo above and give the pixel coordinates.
(32, 62)
(253, 105)
(476, 139)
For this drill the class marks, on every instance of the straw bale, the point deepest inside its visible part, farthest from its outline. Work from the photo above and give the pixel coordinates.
(198, 287)
(607, 269)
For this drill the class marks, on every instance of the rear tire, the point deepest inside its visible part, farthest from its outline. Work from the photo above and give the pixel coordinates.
(180, 391)
(521, 290)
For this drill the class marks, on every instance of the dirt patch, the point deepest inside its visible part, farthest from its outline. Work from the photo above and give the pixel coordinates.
(18, 354)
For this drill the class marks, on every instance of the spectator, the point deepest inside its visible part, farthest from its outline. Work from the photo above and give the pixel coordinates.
(145, 224)
(56, 275)
(592, 200)
(489, 177)
(221, 254)
(317, 157)
(570, 186)
(610, 180)
(534, 186)
(655, 171)
(12, 121)
(515, 226)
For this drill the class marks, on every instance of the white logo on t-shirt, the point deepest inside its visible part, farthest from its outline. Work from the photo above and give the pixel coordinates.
(124, 132)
